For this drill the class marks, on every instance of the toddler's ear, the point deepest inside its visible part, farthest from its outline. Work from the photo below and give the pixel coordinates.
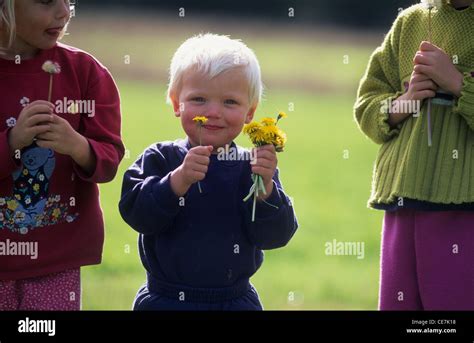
(250, 114)
(176, 107)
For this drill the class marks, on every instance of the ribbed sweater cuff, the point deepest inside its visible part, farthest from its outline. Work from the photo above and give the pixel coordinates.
(382, 120)
(465, 103)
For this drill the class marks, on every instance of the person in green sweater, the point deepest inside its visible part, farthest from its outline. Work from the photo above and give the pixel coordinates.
(416, 100)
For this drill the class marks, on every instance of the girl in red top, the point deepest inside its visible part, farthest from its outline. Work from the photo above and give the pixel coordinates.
(53, 154)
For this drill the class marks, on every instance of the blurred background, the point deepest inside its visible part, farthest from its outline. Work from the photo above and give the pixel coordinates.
(312, 54)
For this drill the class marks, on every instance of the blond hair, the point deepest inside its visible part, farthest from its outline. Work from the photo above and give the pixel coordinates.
(214, 54)
(7, 22)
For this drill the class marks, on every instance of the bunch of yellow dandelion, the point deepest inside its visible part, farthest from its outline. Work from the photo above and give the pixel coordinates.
(200, 121)
(51, 68)
(263, 133)
(267, 132)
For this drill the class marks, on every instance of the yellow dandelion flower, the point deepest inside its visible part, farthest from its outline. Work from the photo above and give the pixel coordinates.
(280, 141)
(267, 133)
(256, 133)
(272, 135)
(269, 121)
(281, 135)
(251, 127)
(258, 137)
(282, 115)
(200, 120)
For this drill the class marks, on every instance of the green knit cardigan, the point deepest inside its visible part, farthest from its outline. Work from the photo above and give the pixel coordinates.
(405, 166)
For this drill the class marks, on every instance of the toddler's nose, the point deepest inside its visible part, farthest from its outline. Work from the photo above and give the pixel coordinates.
(213, 111)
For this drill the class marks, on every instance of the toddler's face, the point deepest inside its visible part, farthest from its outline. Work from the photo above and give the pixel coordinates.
(224, 100)
(39, 23)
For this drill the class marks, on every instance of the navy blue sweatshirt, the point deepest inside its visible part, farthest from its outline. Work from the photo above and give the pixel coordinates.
(202, 239)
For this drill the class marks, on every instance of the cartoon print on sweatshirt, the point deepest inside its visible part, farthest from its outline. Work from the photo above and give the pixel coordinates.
(31, 205)
(32, 182)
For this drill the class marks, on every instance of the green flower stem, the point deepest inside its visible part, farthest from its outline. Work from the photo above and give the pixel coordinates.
(255, 194)
(200, 128)
(250, 192)
(256, 188)
(199, 186)
(200, 143)
(261, 185)
(430, 131)
(50, 92)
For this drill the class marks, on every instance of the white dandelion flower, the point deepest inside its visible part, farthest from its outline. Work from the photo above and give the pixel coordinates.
(51, 67)
(431, 4)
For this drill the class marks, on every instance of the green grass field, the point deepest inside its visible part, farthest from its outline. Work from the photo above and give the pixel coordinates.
(329, 191)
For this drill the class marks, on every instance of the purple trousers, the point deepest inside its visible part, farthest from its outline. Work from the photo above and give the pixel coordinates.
(53, 292)
(427, 261)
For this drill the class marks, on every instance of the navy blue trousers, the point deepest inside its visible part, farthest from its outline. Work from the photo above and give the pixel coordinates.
(153, 297)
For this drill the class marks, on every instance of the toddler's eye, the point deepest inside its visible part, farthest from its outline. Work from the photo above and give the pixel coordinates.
(231, 102)
(198, 99)
(46, 2)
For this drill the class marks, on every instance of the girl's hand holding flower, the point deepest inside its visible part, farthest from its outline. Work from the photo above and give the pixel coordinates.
(60, 137)
(420, 87)
(32, 121)
(433, 62)
(63, 139)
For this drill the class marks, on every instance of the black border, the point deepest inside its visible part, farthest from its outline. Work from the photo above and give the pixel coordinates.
(318, 326)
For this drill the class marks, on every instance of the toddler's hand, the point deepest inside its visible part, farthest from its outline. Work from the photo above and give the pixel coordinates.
(193, 169)
(265, 166)
(433, 62)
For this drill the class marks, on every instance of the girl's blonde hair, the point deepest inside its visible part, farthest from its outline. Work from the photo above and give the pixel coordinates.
(7, 22)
